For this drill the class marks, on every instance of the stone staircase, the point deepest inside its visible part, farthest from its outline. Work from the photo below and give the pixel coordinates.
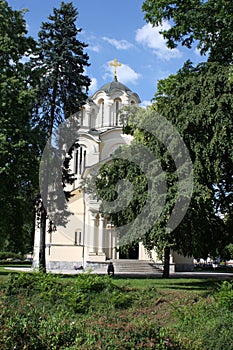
(134, 267)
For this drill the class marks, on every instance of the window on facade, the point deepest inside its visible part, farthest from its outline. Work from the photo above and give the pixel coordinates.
(80, 160)
(101, 110)
(117, 105)
(78, 237)
(92, 120)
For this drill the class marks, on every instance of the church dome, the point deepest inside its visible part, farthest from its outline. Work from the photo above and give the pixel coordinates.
(114, 85)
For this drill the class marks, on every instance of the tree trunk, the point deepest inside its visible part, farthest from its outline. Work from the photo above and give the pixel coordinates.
(42, 258)
(166, 266)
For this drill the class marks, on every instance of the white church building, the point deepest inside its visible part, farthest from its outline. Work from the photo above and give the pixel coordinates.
(88, 240)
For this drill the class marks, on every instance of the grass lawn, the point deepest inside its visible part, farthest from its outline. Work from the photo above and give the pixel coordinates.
(181, 284)
(198, 285)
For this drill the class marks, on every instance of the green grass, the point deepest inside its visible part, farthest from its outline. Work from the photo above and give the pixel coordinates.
(189, 284)
(91, 312)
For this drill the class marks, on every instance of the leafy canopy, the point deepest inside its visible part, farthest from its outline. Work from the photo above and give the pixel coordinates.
(18, 137)
(61, 63)
(198, 100)
(209, 22)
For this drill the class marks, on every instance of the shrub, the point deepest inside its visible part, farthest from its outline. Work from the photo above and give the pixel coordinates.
(26, 327)
(123, 333)
(40, 311)
(78, 295)
(224, 295)
(207, 324)
(10, 255)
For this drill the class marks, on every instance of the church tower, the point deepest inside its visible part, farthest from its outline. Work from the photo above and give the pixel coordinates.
(101, 129)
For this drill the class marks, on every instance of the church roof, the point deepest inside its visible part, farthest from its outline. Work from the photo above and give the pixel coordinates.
(115, 84)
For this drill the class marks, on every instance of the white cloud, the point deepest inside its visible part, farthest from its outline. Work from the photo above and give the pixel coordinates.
(145, 103)
(95, 48)
(93, 86)
(125, 74)
(118, 44)
(150, 37)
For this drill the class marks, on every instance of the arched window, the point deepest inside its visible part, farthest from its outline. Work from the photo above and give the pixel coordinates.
(132, 102)
(101, 111)
(80, 160)
(117, 106)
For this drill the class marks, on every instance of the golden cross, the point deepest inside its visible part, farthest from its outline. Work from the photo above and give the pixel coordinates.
(115, 64)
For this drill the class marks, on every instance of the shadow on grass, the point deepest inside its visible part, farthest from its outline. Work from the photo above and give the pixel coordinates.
(184, 284)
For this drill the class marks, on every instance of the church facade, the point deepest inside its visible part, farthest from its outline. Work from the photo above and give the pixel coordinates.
(88, 240)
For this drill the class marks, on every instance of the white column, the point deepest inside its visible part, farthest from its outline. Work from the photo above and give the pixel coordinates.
(37, 246)
(92, 234)
(114, 245)
(110, 244)
(101, 236)
(117, 252)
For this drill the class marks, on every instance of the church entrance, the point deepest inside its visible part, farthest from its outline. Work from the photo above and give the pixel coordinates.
(129, 252)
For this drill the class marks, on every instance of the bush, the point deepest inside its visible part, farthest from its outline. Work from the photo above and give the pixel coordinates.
(208, 324)
(44, 312)
(26, 327)
(78, 295)
(29, 328)
(10, 255)
(121, 333)
(224, 296)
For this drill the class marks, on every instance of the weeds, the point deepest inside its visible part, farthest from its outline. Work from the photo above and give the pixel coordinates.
(45, 311)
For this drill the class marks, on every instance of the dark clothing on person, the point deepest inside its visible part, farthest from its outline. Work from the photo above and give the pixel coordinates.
(110, 269)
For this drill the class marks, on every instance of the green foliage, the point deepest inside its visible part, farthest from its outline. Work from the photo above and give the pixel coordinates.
(208, 22)
(198, 101)
(120, 333)
(49, 288)
(224, 296)
(40, 311)
(9, 255)
(60, 63)
(227, 252)
(18, 138)
(105, 184)
(153, 183)
(207, 324)
(31, 328)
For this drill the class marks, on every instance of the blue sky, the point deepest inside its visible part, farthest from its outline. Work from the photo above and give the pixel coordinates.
(117, 29)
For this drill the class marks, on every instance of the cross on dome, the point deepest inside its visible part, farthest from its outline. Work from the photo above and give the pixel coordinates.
(115, 64)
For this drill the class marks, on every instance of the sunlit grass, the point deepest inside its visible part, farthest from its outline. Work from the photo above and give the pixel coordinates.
(184, 284)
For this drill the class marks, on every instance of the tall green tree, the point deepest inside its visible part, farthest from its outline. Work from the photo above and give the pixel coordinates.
(198, 100)
(63, 86)
(18, 137)
(155, 165)
(209, 22)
